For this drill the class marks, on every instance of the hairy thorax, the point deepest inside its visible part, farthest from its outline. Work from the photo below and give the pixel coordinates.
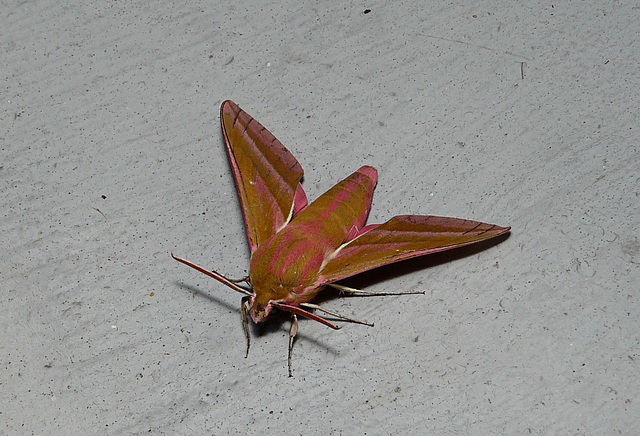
(285, 268)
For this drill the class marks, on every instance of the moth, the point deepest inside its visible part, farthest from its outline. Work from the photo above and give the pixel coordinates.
(297, 249)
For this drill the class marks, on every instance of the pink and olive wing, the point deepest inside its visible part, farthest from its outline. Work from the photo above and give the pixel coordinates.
(339, 214)
(295, 255)
(267, 175)
(404, 237)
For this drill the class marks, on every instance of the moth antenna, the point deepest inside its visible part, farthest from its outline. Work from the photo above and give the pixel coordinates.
(352, 291)
(219, 277)
(328, 312)
(302, 312)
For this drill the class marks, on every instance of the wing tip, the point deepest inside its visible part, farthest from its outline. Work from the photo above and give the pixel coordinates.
(229, 108)
(502, 230)
(370, 172)
(228, 103)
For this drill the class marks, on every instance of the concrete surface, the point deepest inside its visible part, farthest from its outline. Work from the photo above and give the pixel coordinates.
(112, 157)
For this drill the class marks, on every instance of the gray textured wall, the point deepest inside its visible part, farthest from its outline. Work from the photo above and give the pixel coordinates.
(112, 157)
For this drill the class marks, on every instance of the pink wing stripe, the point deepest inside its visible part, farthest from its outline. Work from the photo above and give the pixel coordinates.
(300, 201)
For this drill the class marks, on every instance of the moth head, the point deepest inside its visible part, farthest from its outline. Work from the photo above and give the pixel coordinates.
(258, 310)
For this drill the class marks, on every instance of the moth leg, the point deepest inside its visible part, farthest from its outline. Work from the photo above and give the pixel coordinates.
(243, 279)
(243, 304)
(352, 291)
(346, 318)
(292, 334)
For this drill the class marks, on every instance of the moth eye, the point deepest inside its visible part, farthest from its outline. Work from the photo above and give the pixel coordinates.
(258, 311)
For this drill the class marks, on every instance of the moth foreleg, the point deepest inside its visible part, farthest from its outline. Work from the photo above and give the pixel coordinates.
(292, 334)
(245, 322)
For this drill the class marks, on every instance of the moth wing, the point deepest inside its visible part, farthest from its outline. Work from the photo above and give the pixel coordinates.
(267, 175)
(403, 237)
